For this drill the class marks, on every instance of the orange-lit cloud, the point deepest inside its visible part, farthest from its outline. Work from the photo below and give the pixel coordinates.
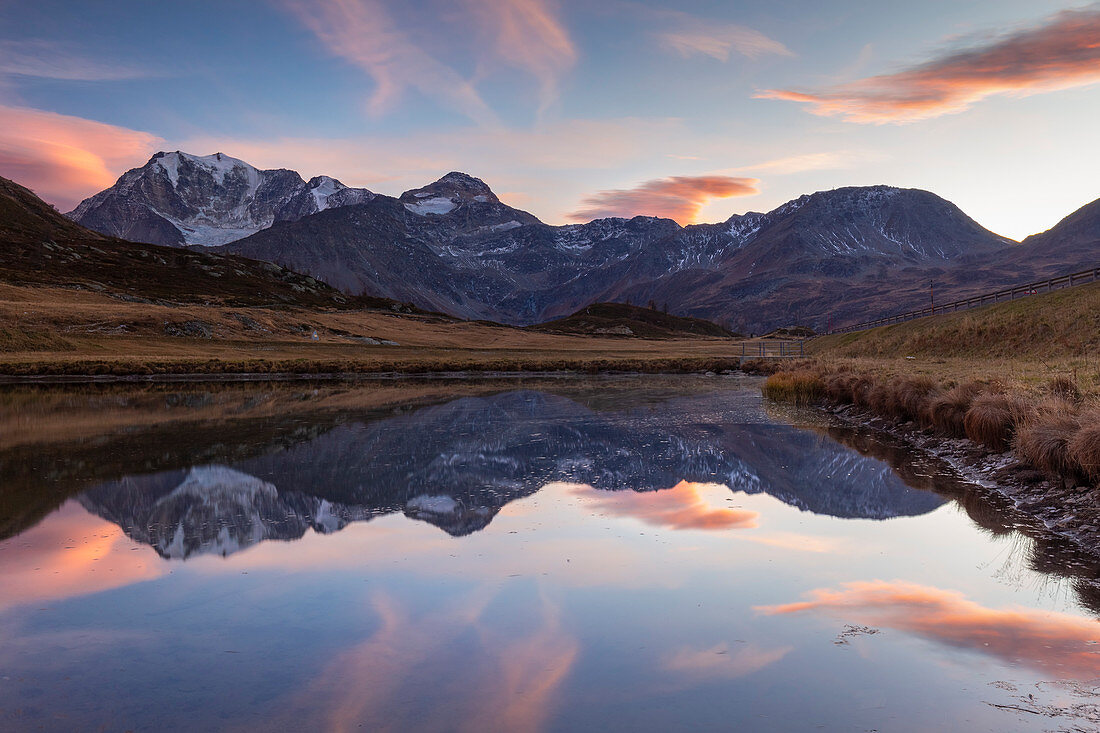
(681, 507)
(72, 554)
(1062, 53)
(64, 159)
(721, 662)
(523, 34)
(1056, 643)
(679, 198)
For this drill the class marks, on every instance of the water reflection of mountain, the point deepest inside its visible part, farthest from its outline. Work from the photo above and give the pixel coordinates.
(456, 464)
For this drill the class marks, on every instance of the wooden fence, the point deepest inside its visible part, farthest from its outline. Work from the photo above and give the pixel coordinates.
(1020, 291)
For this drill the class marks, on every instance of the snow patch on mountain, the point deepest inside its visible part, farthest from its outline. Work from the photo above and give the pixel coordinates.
(437, 205)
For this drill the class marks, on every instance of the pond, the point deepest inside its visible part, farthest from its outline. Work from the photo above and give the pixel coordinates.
(636, 554)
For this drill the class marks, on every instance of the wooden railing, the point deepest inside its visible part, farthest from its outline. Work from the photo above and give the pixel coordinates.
(1054, 283)
(771, 350)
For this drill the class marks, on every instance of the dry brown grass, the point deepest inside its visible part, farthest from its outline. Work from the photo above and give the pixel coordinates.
(1061, 324)
(912, 395)
(946, 412)
(1065, 387)
(1044, 440)
(993, 418)
(1083, 449)
(82, 333)
(1054, 434)
(800, 387)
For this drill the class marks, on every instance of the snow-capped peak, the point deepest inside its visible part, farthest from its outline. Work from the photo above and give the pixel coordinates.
(218, 164)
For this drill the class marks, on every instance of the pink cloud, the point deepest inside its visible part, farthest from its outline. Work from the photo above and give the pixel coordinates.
(363, 33)
(1056, 643)
(528, 35)
(1062, 53)
(64, 159)
(681, 507)
(679, 198)
(522, 34)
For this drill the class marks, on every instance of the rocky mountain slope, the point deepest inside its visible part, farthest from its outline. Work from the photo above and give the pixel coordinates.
(459, 250)
(39, 246)
(178, 199)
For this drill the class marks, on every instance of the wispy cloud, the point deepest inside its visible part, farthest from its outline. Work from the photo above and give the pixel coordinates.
(1058, 643)
(679, 198)
(692, 36)
(64, 158)
(522, 34)
(808, 162)
(50, 60)
(527, 34)
(1061, 53)
(363, 33)
(721, 662)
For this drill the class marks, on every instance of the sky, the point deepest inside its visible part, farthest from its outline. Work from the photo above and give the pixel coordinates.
(570, 109)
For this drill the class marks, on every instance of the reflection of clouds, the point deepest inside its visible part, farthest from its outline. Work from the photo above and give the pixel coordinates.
(719, 662)
(72, 554)
(508, 677)
(795, 541)
(684, 506)
(1057, 643)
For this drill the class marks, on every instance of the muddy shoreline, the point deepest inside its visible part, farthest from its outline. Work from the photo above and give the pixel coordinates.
(1054, 507)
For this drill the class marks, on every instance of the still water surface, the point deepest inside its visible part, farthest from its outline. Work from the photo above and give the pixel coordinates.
(646, 554)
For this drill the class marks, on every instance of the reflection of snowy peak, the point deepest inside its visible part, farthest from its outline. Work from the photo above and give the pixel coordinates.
(178, 198)
(455, 465)
(212, 510)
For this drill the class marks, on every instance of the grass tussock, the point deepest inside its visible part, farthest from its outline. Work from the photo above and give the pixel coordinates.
(1083, 449)
(1058, 433)
(946, 412)
(1065, 388)
(1044, 440)
(992, 419)
(800, 388)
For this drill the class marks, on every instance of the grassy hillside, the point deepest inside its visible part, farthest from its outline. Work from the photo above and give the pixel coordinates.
(621, 319)
(1049, 326)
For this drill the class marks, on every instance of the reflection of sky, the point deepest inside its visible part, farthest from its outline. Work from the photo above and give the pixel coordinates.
(572, 609)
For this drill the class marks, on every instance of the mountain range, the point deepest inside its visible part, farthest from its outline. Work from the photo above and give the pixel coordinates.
(828, 257)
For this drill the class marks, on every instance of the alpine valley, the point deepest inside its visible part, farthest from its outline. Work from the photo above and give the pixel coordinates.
(452, 246)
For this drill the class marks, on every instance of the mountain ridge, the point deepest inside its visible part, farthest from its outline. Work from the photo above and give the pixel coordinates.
(845, 254)
(177, 199)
